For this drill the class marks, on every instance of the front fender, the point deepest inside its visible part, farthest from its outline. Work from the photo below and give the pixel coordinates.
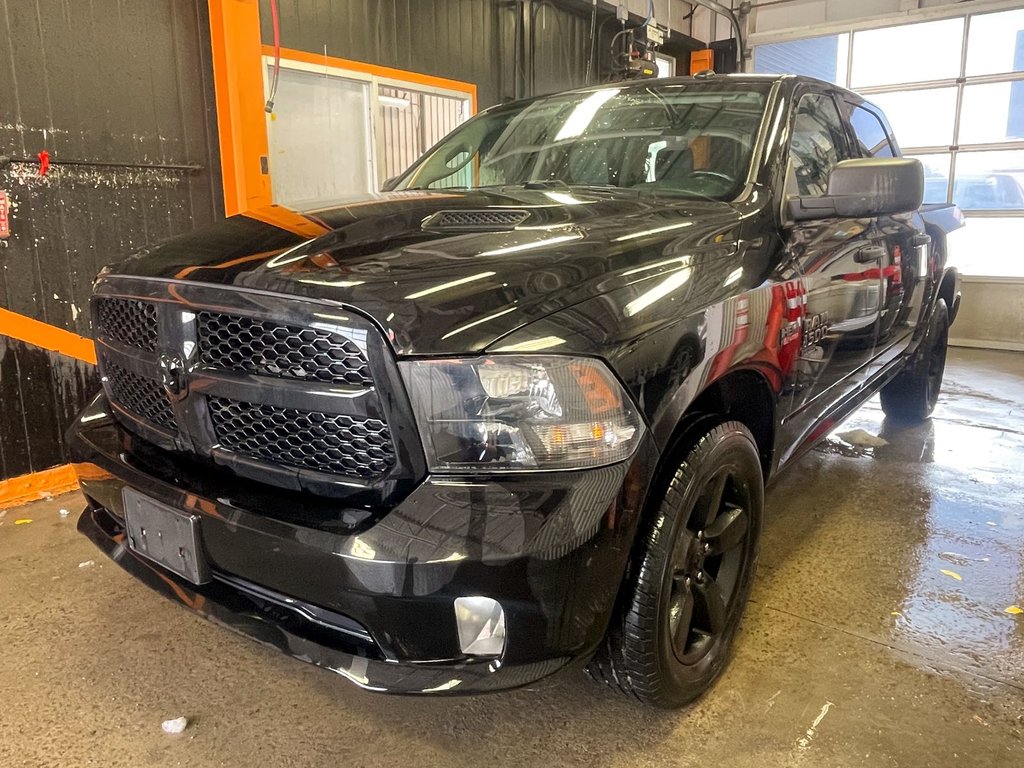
(664, 360)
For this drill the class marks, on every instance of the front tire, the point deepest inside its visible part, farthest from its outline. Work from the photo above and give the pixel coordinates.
(674, 633)
(912, 395)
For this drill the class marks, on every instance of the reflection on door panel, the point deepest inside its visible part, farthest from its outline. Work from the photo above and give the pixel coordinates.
(838, 263)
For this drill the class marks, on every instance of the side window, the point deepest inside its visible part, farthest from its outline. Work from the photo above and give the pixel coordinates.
(817, 143)
(871, 136)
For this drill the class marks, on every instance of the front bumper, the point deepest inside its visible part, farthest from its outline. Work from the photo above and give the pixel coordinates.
(371, 597)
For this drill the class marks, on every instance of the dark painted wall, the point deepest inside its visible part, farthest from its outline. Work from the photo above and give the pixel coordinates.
(111, 81)
(474, 41)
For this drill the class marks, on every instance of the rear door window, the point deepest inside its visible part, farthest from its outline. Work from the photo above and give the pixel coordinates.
(872, 139)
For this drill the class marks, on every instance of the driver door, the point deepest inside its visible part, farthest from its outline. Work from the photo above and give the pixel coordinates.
(837, 261)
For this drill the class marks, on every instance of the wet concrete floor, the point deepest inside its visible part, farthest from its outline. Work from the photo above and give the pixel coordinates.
(877, 636)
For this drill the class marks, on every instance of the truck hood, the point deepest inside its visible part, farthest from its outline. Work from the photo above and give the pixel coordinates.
(438, 286)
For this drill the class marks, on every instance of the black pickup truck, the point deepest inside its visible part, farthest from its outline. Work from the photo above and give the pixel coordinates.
(517, 412)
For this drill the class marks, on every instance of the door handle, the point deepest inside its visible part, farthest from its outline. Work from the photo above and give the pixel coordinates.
(868, 254)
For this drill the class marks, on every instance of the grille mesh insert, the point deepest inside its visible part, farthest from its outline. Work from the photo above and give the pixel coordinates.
(307, 439)
(129, 321)
(143, 396)
(264, 347)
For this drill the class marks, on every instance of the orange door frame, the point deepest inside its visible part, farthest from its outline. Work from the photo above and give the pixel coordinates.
(238, 86)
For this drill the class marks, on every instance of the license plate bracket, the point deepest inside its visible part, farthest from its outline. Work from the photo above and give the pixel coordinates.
(169, 537)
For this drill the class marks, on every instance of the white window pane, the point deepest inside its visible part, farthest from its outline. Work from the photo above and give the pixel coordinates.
(990, 181)
(980, 247)
(936, 177)
(318, 139)
(908, 53)
(995, 43)
(992, 112)
(666, 65)
(920, 118)
(822, 57)
(411, 122)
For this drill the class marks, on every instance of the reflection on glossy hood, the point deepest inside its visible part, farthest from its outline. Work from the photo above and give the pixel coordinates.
(446, 272)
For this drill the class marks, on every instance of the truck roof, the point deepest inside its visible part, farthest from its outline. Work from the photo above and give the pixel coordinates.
(707, 80)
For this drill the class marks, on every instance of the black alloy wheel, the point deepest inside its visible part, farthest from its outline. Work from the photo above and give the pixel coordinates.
(692, 572)
(707, 561)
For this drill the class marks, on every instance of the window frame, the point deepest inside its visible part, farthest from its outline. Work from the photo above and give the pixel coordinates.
(373, 78)
(875, 112)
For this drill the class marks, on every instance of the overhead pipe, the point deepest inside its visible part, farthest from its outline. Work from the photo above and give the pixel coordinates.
(716, 7)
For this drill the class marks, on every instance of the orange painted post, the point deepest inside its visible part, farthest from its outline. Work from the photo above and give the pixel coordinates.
(47, 336)
(241, 120)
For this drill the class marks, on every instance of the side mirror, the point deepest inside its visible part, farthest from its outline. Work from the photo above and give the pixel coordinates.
(390, 184)
(865, 187)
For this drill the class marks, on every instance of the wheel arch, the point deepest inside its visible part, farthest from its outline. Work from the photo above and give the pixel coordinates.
(743, 395)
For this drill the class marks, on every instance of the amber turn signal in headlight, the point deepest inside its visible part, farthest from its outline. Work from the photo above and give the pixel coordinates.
(520, 412)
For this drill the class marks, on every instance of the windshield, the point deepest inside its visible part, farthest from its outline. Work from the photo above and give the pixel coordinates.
(691, 139)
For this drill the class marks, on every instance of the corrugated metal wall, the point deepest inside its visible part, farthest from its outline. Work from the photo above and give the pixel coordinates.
(448, 38)
(470, 40)
(109, 81)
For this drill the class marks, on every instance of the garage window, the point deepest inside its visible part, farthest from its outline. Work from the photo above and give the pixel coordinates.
(953, 91)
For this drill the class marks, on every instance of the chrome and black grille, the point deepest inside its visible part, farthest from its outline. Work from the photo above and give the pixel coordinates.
(322, 441)
(236, 343)
(282, 390)
(129, 321)
(142, 396)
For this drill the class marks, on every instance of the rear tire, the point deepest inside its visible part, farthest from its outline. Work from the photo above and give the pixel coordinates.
(912, 395)
(673, 634)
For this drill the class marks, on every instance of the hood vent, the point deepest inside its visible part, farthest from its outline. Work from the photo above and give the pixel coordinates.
(484, 220)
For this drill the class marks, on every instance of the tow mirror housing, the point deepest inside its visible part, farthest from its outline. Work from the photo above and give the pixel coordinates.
(865, 187)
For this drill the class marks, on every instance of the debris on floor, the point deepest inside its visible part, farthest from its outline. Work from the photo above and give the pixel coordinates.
(177, 725)
(65, 512)
(862, 438)
(951, 574)
(23, 521)
(87, 564)
(1013, 610)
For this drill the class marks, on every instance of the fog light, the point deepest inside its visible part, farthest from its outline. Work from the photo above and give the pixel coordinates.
(481, 624)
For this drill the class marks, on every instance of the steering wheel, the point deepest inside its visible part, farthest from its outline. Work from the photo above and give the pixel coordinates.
(713, 175)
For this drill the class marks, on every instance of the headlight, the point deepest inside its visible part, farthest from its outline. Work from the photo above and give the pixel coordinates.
(520, 412)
